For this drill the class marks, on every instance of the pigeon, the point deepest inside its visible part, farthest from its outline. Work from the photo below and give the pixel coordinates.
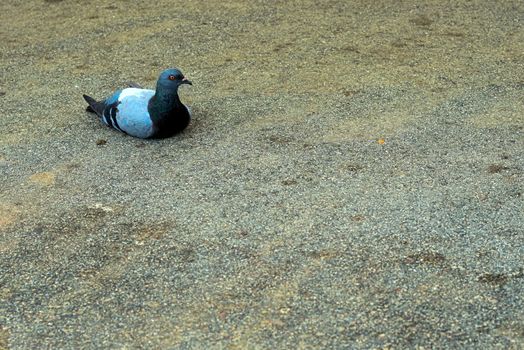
(145, 113)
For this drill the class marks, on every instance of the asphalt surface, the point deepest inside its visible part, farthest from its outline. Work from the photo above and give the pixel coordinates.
(352, 177)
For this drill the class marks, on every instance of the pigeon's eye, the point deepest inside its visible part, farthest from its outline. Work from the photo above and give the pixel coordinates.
(172, 77)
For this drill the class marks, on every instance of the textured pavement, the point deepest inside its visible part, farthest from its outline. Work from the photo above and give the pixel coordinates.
(352, 178)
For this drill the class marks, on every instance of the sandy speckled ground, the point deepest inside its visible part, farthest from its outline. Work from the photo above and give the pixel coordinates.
(352, 177)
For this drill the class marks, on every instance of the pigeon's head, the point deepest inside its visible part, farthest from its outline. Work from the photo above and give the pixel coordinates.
(172, 78)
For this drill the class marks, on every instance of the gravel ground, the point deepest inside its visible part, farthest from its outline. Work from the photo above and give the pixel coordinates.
(352, 178)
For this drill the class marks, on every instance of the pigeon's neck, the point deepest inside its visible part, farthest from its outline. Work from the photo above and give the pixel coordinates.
(164, 101)
(168, 114)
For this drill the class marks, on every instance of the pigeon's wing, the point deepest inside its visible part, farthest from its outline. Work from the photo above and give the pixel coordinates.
(130, 114)
(126, 111)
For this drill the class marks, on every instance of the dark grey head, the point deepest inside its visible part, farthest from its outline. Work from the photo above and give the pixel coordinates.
(171, 79)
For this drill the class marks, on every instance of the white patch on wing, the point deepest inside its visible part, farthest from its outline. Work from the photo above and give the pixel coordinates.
(133, 116)
(134, 92)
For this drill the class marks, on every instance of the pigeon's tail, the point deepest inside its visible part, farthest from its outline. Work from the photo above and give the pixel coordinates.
(94, 106)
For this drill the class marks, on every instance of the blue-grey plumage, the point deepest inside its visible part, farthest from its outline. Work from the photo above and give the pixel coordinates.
(146, 113)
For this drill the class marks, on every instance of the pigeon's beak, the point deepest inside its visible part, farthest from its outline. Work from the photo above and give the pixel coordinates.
(186, 81)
